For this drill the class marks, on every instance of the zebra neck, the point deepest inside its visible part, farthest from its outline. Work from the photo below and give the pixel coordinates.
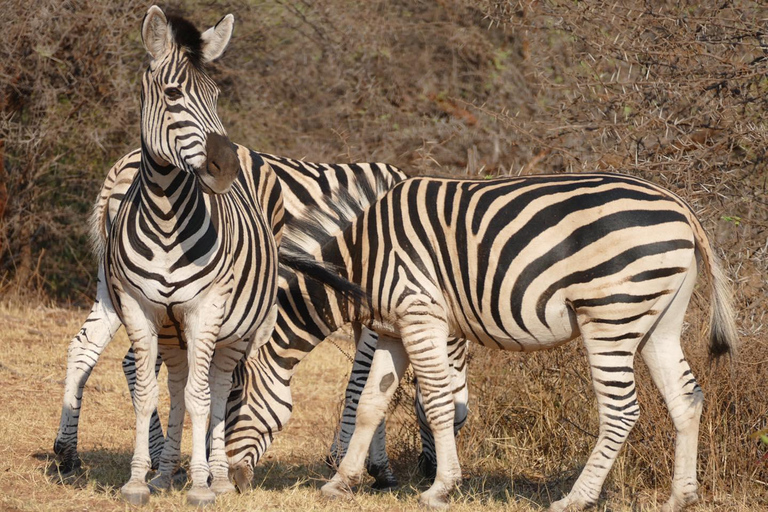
(167, 190)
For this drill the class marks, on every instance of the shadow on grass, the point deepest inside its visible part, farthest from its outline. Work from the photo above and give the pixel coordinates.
(108, 470)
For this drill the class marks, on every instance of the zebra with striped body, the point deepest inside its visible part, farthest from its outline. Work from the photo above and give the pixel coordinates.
(528, 264)
(194, 245)
(305, 186)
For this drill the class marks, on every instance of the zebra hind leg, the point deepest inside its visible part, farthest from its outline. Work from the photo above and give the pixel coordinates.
(613, 379)
(387, 368)
(83, 353)
(664, 357)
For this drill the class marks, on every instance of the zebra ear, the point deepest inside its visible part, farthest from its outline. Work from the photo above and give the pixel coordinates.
(155, 32)
(216, 38)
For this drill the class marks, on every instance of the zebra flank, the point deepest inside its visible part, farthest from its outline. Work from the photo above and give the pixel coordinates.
(526, 264)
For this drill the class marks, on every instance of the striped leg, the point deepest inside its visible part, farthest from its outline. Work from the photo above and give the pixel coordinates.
(683, 396)
(82, 355)
(378, 461)
(197, 399)
(176, 362)
(387, 368)
(156, 438)
(457, 350)
(613, 378)
(224, 362)
(425, 342)
(144, 342)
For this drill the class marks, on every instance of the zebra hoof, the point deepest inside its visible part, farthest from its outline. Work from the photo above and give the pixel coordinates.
(200, 496)
(433, 501)
(385, 480)
(161, 482)
(336, 489)
(569, 505)
(68, 462)
(222, 486)
(675, 504)
(135, 492)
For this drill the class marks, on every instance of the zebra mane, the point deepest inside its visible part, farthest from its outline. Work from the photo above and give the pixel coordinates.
(188, 37)
(317, 226)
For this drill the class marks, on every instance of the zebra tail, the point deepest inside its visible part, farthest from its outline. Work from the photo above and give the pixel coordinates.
(325, 274)
(723, 334)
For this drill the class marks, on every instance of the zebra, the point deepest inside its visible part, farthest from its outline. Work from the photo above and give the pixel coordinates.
(193, 245)
(260, 402)
(305, 186)
(525, 264)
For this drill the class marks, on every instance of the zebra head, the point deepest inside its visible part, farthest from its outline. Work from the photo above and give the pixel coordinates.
(179, 123)
(258, 407)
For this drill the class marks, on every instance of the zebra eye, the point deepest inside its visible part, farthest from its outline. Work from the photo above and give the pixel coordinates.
(173, 93)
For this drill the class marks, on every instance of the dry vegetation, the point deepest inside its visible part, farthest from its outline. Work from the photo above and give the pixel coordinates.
(673, 91)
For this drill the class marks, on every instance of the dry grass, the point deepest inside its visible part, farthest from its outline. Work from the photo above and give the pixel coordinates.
(530, 429)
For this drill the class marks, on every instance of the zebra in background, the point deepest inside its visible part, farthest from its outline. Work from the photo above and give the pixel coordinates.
(305, 187)
(528, 264)
(194, 245)
(260, 402)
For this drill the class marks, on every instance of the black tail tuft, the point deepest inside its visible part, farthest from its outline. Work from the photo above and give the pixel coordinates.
(325, 274)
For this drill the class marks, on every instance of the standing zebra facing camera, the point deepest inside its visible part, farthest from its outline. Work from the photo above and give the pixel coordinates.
(193, 247)
(526, 264)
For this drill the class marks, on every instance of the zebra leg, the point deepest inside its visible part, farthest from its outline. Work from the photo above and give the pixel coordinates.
(201, 334)
(613, 379)
(144, 342)
(387, 368)
(83, 353)
(378, 461)
(457, 350)
(156, 438)
(683, 396)
(224, 362)
(170, 458)
(425, 340)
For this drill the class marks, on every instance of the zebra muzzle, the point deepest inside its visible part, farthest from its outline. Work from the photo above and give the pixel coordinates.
(222, 165)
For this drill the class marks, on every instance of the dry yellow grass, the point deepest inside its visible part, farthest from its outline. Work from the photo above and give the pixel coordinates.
(528, 433)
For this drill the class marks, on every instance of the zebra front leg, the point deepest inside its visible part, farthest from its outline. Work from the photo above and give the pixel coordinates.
(613, 379)
(197, 399)
(156, 437)
(387, 368)
(83, 353)
(425, 340)
(224, 362)
(457, 350)
(144, 342)
(170, 458)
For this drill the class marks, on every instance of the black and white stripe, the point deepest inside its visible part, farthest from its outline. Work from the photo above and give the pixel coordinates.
(342, 191)
(527, 264)
(190, 261)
